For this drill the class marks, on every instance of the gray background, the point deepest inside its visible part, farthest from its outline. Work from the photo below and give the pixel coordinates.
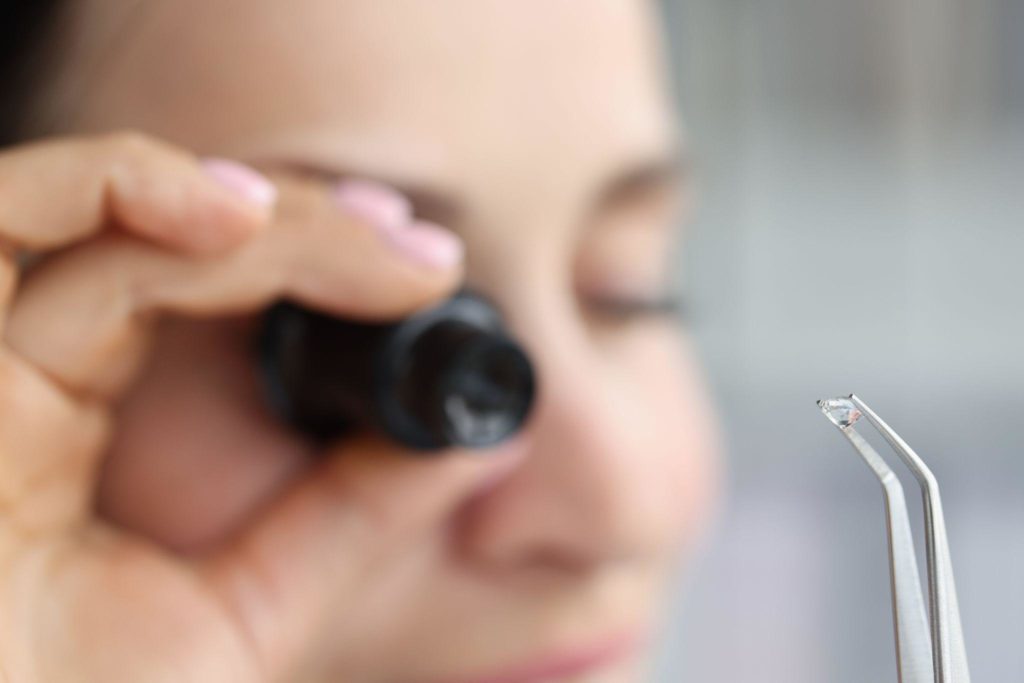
(860, 166)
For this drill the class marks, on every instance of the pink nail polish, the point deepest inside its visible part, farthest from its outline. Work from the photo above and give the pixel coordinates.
(379, 205)
(242, 180)
(428, 244)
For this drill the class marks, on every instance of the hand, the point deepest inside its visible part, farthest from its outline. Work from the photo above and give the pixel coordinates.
(129, 231)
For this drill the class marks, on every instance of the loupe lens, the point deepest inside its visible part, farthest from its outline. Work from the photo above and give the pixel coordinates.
(486, 393)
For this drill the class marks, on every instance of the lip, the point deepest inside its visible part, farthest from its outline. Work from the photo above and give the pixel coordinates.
(596, 655)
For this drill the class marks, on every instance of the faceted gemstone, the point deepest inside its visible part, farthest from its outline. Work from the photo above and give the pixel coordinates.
(841, 411)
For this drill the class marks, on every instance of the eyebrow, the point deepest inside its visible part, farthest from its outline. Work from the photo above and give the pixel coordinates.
(429, 202)
(441, 205)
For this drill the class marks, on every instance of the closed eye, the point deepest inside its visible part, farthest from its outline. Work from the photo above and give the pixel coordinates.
(623, 309)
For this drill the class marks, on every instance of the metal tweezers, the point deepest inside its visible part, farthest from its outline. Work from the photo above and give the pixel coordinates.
(929, 649)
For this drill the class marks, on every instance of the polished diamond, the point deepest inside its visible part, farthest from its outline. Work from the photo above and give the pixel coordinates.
(841, 411)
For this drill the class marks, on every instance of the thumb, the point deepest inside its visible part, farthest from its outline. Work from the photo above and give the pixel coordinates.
(318, 546)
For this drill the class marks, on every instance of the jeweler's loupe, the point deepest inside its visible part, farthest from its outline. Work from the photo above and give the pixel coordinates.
(450, 376)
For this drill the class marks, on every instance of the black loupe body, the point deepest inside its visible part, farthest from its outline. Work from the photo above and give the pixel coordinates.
(446, 377)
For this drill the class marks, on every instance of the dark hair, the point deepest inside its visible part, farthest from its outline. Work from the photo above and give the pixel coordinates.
(24, 28)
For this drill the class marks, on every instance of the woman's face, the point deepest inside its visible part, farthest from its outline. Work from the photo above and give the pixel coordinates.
(540, 133)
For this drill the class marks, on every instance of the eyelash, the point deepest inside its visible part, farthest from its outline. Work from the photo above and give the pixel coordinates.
(625, 310)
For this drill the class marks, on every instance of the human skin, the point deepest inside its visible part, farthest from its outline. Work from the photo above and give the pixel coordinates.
(172, 529)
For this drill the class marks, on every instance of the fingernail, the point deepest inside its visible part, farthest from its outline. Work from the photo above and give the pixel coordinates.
(244, 181)
(379, 205)
(428, 244)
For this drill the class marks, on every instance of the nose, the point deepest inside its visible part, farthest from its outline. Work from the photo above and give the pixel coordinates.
(590, 490)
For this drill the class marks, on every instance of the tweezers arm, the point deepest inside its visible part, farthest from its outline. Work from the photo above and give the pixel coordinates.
(913, 646)
(954, 650)
(950, 652)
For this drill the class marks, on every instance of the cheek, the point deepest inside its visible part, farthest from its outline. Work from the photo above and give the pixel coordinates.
(681, 450)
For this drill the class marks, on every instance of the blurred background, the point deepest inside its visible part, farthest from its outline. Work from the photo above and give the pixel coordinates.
(860, 168)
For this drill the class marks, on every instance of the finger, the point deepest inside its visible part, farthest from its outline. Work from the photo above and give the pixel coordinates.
(54, 193)
(82, 317)
(8, 280)
(47, 442)
(312, 555)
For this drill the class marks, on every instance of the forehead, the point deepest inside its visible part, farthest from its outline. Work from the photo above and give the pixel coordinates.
(438, 80)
